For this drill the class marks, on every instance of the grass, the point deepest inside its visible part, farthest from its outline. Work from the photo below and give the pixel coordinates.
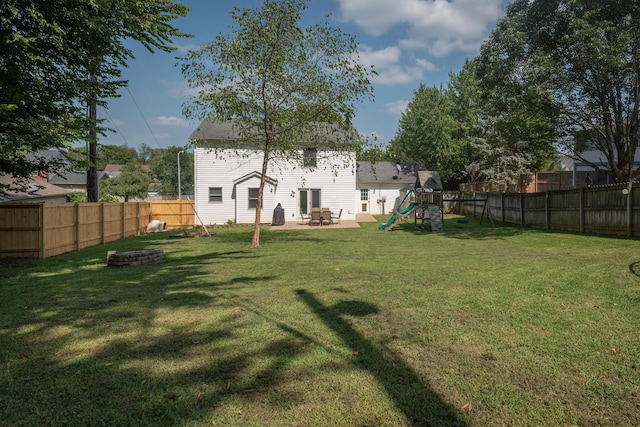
(358, 327)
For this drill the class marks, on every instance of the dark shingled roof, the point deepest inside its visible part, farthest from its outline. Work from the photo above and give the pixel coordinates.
(215, 131)
(387, 172)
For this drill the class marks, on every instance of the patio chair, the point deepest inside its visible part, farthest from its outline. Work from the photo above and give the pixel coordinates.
(315, 217)
(305, 217)
(336, 217)
(326, 216)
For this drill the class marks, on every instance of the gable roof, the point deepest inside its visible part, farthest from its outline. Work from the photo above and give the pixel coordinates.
(429, 180)
(368, 172)
(258, 175)
(68, 178)
(230, 131)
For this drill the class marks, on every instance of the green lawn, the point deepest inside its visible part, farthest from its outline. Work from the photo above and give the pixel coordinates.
(475, 326)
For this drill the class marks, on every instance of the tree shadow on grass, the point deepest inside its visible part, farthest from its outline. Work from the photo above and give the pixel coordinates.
(419, 403)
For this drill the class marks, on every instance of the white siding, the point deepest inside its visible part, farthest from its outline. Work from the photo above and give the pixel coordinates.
(376, 194)
(222, 169)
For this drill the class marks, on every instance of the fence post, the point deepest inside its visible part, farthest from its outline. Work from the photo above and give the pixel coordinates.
(77, 225)
(122, 222)
(522, 209)
(42, 224)
(581, 205)
(547, 210)
(502, 206)
(630, 209)
(102, 223)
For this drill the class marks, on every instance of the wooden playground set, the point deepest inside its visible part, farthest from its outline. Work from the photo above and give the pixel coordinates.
(424, 202)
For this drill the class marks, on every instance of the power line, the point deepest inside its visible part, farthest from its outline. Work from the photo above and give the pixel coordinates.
(143, 117)
(115, 125)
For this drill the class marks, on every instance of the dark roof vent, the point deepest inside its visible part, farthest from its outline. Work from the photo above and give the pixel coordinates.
(395, 177)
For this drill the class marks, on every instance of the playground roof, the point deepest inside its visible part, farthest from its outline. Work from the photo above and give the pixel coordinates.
(387, 172)
(430, 180)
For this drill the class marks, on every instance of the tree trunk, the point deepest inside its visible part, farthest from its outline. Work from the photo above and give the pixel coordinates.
(255, 241)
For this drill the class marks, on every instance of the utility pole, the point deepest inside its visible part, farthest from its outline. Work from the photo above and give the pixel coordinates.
(92, 175)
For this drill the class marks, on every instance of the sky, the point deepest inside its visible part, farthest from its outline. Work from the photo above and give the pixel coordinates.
(408, 42)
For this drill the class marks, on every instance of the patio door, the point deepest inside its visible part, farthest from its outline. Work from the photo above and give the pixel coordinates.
(309, 198)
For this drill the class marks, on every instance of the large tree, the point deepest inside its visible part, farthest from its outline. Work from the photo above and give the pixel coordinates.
(133, 182)
(436, 126)
(49, 50)
(278, 81)
(578, 63)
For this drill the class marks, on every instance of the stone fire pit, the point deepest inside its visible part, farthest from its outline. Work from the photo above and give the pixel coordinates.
(122, 259)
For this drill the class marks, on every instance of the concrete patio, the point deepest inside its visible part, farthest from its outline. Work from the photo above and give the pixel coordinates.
(297, 224)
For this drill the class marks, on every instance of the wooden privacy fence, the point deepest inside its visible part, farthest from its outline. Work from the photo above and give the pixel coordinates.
(599, 210)
(537, 182)
(29, 230)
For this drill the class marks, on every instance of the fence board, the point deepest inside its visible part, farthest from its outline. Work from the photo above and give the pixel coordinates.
(20, 231)
(59, 229)
(596, 210)
(29, 230)
(176, 213)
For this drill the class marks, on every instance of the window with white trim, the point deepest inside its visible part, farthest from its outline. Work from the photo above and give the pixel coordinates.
(253, 197)
(310, 157)
(364, 194)
(215, 194)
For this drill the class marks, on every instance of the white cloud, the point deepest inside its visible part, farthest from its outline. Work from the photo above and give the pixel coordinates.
(396, 107)
(186, 47)
(380, 58)
(441, 26)
(391, 70)
(171, 121)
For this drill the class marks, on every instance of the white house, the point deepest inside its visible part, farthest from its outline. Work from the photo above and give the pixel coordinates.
(379, 183)
(227, 174)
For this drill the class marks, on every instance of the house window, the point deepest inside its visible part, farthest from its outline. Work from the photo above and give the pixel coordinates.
(364, 194)
(310, 157)
(253, 198)
(215, 194)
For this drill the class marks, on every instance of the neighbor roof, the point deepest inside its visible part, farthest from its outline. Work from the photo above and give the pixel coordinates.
(32, 189)
(368, 172)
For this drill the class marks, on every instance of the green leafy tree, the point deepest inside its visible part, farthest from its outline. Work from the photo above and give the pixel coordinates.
(106, 155)
(147, 153)
(426, 134)
(115, 155)
(164, 167)
(278, 81)
(81, 197)
(133, 182)
(576, 65)
(49, 48)
(437, 125)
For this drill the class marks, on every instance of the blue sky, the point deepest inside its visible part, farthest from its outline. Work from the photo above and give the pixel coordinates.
(408, 41)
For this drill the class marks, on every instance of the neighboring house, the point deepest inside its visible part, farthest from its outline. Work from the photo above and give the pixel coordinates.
(592, 176)
(227, 178)
(34, 190)
(52, 157)
(378, 184)
(76, 181)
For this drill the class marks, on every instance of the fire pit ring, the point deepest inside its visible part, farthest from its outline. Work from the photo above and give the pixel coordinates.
(122, 259)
